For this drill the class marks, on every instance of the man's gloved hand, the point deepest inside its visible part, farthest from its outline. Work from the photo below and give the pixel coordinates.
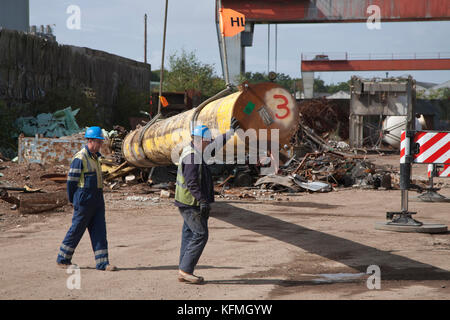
(204, 208)
(234, 124)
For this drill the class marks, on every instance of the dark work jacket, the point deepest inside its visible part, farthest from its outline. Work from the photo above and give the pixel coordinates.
(205, 190)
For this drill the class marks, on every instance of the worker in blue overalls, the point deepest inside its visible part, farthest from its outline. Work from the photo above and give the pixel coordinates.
(85, 192)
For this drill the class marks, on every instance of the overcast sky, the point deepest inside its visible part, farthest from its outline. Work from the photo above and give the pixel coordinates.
(117, 26)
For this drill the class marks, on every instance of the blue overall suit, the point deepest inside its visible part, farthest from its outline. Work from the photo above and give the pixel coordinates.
(85, 192)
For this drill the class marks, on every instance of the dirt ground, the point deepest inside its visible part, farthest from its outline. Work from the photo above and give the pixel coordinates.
(302, 246)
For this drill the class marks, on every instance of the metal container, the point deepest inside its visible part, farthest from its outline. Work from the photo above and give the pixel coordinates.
(48, 150)
(260, 106)
(51, 151)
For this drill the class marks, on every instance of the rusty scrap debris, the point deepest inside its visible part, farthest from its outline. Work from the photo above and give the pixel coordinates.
(326, 117)
(31, 200)
(337, 170)
(319, 160)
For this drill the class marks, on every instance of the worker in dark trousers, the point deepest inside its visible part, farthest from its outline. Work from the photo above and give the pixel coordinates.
(193, 194)
(85, 192)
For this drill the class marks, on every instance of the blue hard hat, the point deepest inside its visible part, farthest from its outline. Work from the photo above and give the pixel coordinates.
(94, 133)
(202, 131)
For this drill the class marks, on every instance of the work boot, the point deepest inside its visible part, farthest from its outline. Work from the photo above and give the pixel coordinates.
(66, 265)
(110, 267)
(190, 278)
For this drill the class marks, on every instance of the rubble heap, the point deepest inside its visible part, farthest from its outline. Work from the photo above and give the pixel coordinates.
(326, 117)
(323, 171)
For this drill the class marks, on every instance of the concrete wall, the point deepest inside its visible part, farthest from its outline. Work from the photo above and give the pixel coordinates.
(15, 14)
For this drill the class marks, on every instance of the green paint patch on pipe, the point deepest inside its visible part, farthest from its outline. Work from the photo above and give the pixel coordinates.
(249, 108)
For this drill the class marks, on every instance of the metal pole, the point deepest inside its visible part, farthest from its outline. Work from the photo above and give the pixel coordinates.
(161, 74)
(405, 168)
(405, 201)
(433, 170)
(268, 48)
(276, 46)
(225, 62)
(145, 38)
(222, 44)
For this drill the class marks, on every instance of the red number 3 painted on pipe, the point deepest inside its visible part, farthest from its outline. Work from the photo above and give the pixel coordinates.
(282, 106)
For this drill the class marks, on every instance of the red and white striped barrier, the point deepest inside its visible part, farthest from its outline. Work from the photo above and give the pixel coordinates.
(444, 173)
(434, 148)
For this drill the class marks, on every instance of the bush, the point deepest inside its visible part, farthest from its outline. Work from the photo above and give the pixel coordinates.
(8, 132)
(187, 72)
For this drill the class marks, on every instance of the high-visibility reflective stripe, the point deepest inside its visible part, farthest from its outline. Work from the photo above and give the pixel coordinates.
(67, 248)
(74, 174)
(100, 260)
(65, 255)
(73, 170)
(70, 178)
(98, 252)
(178, 183)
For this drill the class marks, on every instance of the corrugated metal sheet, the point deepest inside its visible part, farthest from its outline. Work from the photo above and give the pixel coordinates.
(48, 150)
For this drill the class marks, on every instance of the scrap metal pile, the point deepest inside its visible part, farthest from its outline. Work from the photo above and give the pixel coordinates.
(328, 118)
(319, 161)
(321, 171)
(325, 171)
(322, 160)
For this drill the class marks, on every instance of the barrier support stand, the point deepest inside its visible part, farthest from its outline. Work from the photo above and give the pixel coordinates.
(431, 194)
(403, 221)
(404, 217)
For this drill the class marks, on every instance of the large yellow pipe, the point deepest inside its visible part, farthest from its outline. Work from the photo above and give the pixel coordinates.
(261, 106)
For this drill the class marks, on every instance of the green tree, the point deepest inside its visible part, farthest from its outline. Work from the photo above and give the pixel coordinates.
(155, 75)
(319, 86)
(9, 132)
(439, 94)
(285, 81)
(341, 86)
(60, 98)
(129, 103)
(446, 93)
(254, 77)
(187, 72)
(282, 79)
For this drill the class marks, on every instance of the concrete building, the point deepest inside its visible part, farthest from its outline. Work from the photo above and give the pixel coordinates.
(15, 14)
